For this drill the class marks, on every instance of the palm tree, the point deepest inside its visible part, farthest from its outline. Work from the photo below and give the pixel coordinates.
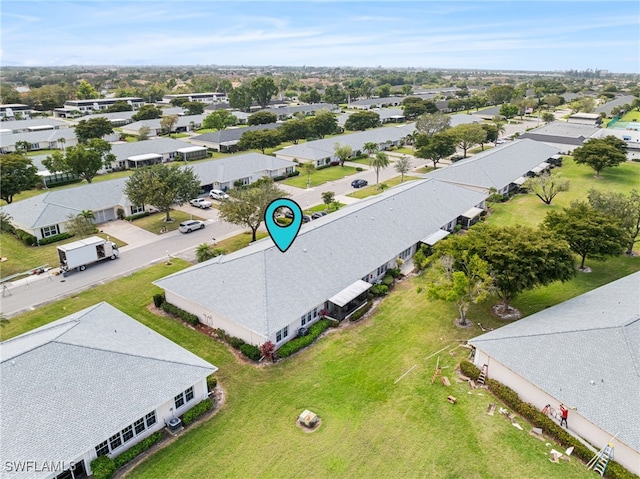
(370, 147)
(379, 161)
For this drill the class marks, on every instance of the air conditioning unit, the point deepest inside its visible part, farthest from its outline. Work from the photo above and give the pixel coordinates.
(174, 424)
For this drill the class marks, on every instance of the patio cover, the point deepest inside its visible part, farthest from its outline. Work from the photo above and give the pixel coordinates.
(350, 292)
(519, 181)
(435, 237)
(146, 156)
(191, 149)
(472, 212)
(540, 168)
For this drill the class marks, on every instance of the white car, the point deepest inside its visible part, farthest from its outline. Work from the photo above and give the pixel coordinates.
(200, 203)
(190, 225)
(218, 195)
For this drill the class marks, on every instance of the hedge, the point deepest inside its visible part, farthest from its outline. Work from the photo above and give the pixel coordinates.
(379, 289)
(137, 216)
(361, 312)
(539, 419)
(250, 351)
(158, 300)
(180, 313)
(196, 411)
(212, 382)
(293, 173)
(315, 330)
(130, 454)
(103, 467)
(387, 280)
(54, 238)
(26, 238)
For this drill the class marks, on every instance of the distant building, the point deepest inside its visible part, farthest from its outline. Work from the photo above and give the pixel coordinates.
(15, 111)
(84, 107)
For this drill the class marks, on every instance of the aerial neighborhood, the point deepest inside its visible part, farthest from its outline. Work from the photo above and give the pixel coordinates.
(462, 282)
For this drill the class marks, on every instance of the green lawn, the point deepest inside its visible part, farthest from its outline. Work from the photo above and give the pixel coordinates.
(530, 210)
(425, 169)
(479, 149)
(239, 241)
(21, 258)
(375, 190)
(371, 427)
(406, 150)
(631, 115)
(319, 177)
(155, 222)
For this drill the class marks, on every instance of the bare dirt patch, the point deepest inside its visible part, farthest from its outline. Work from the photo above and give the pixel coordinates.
(508, 314)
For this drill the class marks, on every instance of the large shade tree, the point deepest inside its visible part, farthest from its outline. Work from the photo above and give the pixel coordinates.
(294, 130)
(93, 128)
(589, 232)
(259, 140)
(162, 186)
(262, 90)
(362, 120)
(432, 123)
(323, 123)
(219, 120)
(601, 153)
(17, 174)
(520, 258)
(435, 147)
(468, 135)
(82, 160)
(624, 207)
(247, 206)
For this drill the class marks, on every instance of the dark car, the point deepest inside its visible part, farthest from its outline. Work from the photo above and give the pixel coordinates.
(318, 214)
(359, 183)
(306, 218)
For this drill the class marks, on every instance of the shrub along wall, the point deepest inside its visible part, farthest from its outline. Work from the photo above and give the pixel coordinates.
(539, 419)
(316, 329)
(104, 467)
(196, 411)
(250, 351)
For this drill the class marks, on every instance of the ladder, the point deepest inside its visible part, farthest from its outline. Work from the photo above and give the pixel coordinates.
(483, 374)
(600, 461)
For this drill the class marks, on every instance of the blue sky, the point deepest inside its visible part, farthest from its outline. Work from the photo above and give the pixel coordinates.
(423, 34)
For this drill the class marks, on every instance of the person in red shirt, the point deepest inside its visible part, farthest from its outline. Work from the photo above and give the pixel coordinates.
(564, 414)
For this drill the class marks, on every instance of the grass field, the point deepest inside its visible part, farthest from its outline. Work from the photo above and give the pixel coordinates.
(370, 427)
(375, 190)
(622, 178)
(319, 177)
(239, 241)
(21, 258)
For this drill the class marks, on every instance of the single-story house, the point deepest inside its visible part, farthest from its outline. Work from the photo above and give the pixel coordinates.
(288, 111)
(227, 140)
(222, 174)
(39, 140)
(321, 152)
(387, 102)
(387, 115)
(11, 111)
(317, 273)
(585, 118)
(34, 124)
(93, 383)
(157, 150)
(584, 353)
(48, 178)
(630, 135)
(185, 123)
(44, 215)
(563, 135)
(82, 107)
(207, 97)
(499, 168)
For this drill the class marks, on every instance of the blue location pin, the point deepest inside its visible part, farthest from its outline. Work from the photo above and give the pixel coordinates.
(283, 236)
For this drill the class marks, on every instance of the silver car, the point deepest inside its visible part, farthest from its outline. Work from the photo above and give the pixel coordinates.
(190, 225)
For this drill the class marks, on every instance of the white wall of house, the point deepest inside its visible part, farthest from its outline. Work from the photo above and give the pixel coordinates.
(579, 425)
(215, 320)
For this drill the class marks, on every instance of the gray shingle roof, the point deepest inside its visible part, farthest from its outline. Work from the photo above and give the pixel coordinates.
(71, 384)
(183, 121)
(497, 167)
(593, 337)
(264, 290)
(21, 124)
(232, 134)
(9, 139)
(55, 206)
(317, 149)
(236, 167)
(161, 146)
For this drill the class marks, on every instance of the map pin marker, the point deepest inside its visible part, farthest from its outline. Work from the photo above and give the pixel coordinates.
(283, 236)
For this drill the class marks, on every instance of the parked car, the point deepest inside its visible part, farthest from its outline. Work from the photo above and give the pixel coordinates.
(218, 195)
(359, 183)
(318, 214)
(200, 203)
(306, 218)
(190, 225)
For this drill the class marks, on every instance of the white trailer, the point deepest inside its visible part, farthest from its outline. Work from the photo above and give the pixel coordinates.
(81, 253)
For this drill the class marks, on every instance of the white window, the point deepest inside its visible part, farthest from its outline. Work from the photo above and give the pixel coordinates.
(406, 253)
(115, 441)
(127, 433)
(283, 333)
(102, 449)
(179, 400)
(139, 425)
(137, 209)
(303, 320)
(151, 418)
(188, 394)
(183, 397)
(49, 231)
